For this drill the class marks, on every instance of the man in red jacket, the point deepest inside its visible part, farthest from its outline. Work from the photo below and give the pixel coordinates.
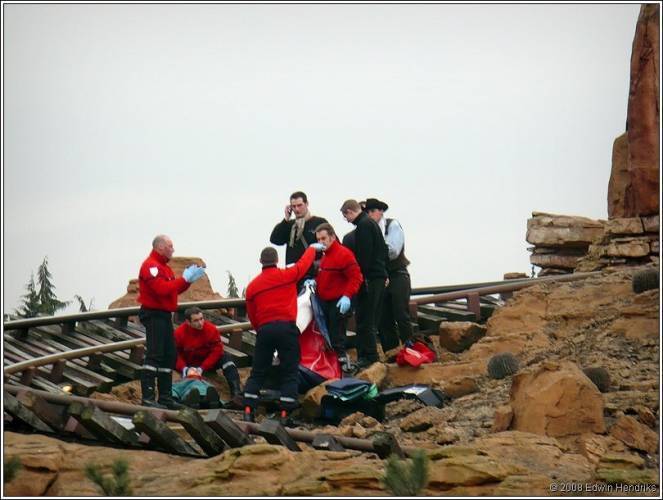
(271, 304)
(199, 349)
(339, 278)
(157, 293)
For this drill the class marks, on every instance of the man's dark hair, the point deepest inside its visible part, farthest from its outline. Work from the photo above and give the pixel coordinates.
(299, 194)
(190, 311)
(325, 226)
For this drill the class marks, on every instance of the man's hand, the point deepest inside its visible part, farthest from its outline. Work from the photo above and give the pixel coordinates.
(193, 273)
(288, 212)
(343, 304)
(319, 247)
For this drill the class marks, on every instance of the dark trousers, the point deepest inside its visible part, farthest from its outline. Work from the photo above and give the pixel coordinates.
(336, 325)
(160, 353)
(283, 337)
(395, 318)
(229, 368)
(160, 349)
(369, 305)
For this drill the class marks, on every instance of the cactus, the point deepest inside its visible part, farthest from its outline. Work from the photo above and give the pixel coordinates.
(501, 365)
(406, 480)
(644, 280)
(599, 376)
(11, 467)
(115, 486)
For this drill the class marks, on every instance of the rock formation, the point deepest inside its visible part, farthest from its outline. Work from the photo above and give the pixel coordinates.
(200, 290)
(634, 182)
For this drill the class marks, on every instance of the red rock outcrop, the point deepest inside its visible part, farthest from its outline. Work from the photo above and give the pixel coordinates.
(634, 186)
(200, 290)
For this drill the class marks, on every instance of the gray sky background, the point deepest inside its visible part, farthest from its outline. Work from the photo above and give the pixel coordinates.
(198, 121)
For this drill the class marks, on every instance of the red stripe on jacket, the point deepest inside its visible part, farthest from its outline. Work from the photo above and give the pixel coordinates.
(202, 348)
(339, 273)
(272, 295)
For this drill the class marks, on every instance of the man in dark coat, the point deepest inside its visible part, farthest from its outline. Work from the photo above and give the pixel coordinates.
(297, 233)
(371, 253)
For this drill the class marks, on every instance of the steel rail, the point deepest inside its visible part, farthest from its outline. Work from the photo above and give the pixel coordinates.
(122, 312)
(489, 290)
(172, 416)
(427, 290)
(110, 347)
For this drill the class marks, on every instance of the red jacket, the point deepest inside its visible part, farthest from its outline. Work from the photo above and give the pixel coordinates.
(339, 273)
(157, 286)
(202, 348)
(272, 295)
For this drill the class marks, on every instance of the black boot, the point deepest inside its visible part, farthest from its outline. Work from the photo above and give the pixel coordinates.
(147, 389)
(165, 383)
(212, 398)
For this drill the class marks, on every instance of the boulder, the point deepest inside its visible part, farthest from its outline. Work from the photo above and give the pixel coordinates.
(650, 223)
(458, 387)
(619, 177)
(632, 433)
(632, 225)
(555, 230)
(423, 419)
(375, 374)
(457, 336)
(556, 400)
(502, 419)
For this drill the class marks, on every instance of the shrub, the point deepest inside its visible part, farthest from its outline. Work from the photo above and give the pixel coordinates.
(115, 486)
(501, 365)
(644, 280)
(599, 376)
(405, 478)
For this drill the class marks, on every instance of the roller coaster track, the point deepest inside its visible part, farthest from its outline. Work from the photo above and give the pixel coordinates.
(48, 358)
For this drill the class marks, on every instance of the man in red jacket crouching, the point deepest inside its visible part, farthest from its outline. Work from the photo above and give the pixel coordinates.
(199, 349)
(339, 278)
(271, 304)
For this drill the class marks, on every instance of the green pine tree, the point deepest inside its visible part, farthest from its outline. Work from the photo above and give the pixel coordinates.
(82, 306)
(48, 302)
(30, 306)
(233, 291)
(117, 485)
(404, 478)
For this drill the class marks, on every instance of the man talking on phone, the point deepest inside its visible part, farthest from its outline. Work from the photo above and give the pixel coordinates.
(297, 233)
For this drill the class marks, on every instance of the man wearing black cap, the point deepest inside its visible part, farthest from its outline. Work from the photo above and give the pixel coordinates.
(271, 304)
(395, 309)
(371, 254)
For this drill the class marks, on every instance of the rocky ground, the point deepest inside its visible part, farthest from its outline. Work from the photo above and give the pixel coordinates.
(547, 430)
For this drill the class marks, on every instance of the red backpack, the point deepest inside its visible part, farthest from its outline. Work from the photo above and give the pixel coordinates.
(415, 353)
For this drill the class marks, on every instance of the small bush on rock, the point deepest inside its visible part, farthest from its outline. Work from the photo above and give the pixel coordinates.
(115, 486)
(404, 479)
(502, 365)
(599, 376)
(644, 280)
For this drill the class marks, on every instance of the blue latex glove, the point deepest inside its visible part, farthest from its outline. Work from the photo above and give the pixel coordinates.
(193, 273)
(343, 304)
(309, 282)
(319, 247)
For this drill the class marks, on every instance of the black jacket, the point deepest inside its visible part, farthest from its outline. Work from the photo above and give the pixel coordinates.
(281, 236)
(370, 248)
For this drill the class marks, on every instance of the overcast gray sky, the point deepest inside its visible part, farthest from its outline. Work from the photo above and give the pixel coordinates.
(198, 121)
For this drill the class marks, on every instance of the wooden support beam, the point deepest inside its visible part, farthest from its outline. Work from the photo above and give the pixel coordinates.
(57, 370)
(235, 339)
(137, 354)
(227, 429)
(16, 409)
(160, 415)
(121, 321)
(275, 433)
(385, 444)
(94, 361)
(73, 426)
(326, 442)
(28, 375)
(54, 416)
(68, 327)
(474, 305)
(104, 428)
(204, 436)
(161, 435)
